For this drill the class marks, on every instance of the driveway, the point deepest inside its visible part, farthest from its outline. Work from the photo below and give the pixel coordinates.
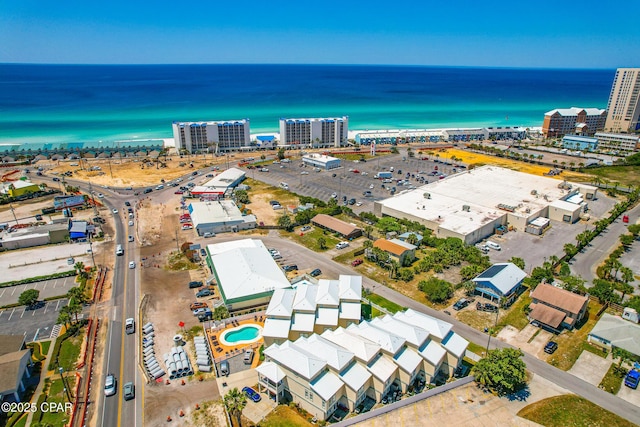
(590, 368)
(630, 395)
(521, 339)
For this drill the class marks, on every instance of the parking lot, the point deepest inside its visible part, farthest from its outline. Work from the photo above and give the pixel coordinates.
(33, 324)
(47, 288)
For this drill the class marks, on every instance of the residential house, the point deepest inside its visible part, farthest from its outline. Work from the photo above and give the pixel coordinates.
(399, 250)
(614, 332)
(556, 308)
(500, 282)
(15, 359)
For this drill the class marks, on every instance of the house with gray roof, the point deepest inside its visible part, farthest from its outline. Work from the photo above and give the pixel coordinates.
(500, 281)
(15, 358)
(614, 332)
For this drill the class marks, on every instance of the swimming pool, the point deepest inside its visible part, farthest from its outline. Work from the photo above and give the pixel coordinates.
(241, 335)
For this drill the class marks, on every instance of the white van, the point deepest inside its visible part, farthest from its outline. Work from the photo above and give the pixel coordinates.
(494, 246)
(130, 325)
(119, 250)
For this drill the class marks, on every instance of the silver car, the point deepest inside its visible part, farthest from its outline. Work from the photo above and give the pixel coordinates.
(110, 385)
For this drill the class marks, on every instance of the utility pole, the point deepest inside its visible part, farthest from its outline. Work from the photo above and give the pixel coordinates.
(64, 382)
(14, 213)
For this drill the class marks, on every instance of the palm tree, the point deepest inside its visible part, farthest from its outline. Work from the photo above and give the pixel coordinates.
(322, 242)
(393, 268)
(627, 276)
(79, 267)
(77, 295)
(64, 317)
(74, 309)
(234, 402)
(367, 244)
(412, 239)
(368, 229)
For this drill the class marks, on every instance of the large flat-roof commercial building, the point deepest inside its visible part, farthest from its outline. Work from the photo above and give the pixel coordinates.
(471, 204)
(314, 132)
(374, 360)
(624, 101)
(246, 273)
(620, 143)
(212, 136)
(312, 308)
(580, 143)
(219, 216)
(220, 184)
(321, 161)
(573, 121)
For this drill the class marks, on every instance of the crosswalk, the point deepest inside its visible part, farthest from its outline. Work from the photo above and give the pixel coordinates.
(55, 331)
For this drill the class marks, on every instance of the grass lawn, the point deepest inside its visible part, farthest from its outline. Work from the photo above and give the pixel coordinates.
(178, 262)
(284, 416)
(477, 349)
(392, 307)
(310, 239)
(70, 351)
(22, 422)
(57, 394)
(612, 381)
(625, 175)
(515, 314)
(44, 346)
(570, 410)
(572, 343)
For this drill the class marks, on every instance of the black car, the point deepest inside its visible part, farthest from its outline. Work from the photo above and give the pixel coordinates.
(147, 190)
(36, 305)
(352, 201)
(274, 202)
(291, 267)
(194, 173)
(551, 347)
(461, 303)
(486, 307)
(195, 284)
(56, 179)
(127, 203)
(315, 272)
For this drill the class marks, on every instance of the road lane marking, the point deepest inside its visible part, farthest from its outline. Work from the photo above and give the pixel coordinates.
(11, 314)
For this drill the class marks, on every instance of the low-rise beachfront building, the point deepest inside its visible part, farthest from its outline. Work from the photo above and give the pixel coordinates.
(372, 360)
(580, 143)
(506, 133)
(472, 204)
(621, 143)
(312, 308)
(219, 216)
(321, 161)
(573, 121)
(314, 132)
(198, 137)
(396, 136)
(246, 274)
(613, 332)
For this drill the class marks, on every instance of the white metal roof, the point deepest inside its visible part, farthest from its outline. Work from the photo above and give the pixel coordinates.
(413, 334)
(327, 316)
(404, 244)
(303, 322)
(305, 299)
(382, 367)
(388, 341)
(217, 248)
(328, 293)
(503, 276)
(336, 356)
(436, 327)
(455, 344)
(281, 304)
(350, 310)
(565, 205)
(214, 211)
(224, 179)
(276, 328)
(272, 371)
(433, 352)
(540, 222)
(408, 359)
(327, 385)
(295, 359)
(350, 287)
(364, 349)
(246, 271)
(355, 376)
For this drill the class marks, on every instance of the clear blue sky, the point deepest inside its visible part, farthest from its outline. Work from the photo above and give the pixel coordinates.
(585, 34)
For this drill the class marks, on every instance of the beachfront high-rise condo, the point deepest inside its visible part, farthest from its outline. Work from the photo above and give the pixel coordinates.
(314, 132)
(212, 136)
(624, 101)
(573, 121)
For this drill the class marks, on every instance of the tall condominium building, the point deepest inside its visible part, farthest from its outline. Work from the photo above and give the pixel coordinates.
(320, 132)
(573, 121)
(624, 101)
(214, 136)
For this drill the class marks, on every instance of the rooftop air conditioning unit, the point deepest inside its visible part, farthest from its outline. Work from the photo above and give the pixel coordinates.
(534, 192)
(427, 195)
(466, 208)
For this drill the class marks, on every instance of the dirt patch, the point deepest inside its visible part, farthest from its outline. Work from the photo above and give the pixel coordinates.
(261, 194)
(162, 401)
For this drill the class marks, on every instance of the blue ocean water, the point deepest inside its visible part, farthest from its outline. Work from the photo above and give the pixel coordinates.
(70, 103)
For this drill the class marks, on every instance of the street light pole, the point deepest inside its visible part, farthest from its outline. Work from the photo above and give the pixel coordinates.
(66, 387)
(489, 332)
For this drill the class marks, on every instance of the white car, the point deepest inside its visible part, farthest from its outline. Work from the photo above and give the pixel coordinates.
(334, 195)
(342, 245)
(131, 238)
(371, 186)
(264, 170)
(359, 204)
(100, 195)
(304, 173)
(132, 264)
(130, 223)
(115, 211)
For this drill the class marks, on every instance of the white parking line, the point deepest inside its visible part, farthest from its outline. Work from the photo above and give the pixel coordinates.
(45, 285)
(14, 289)
(11, 314)
(57, 304)
(55, 282)
(23, 311)
(46, 305)
(3, 291)
(1, 313)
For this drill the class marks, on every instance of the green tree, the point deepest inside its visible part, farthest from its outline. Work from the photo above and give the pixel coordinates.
(627, 274)
(64, 317)
(388, 224)
(74, 309)
(368, 229)
(79, 267)
(406, 274)
(570, 249)
(280, 153)
(519, 262)
(627, 240)
(538, 275)
(394, 266)
(503, 371)
(604, 291)
(242, 196)
(470, 271)
(77, 295)
(234, 402)
(220, 312)
(285, 222)
(412, 239)
(634, 302)
(29, 297)
(573, 284)
(624, 289)
(436, 290)
(367, 244)
(469, 287)
(322, 243)
(634, 229)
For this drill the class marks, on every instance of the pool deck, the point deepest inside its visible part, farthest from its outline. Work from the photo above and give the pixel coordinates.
(221, 350)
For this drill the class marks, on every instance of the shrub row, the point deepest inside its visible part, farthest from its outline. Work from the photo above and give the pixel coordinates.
(38, 278)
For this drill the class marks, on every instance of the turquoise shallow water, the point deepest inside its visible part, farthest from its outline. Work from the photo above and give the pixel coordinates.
(247, 333)
(66, 103)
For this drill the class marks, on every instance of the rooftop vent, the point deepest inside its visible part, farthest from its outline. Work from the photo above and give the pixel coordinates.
(466, 208)
(534, 192)
(427, 195)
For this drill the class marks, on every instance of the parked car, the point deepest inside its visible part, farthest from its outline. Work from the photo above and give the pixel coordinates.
(352, 201)
(187, 226)
(127, 203)
(461, 303)
(356, 262)
(132, 264)
(551, 347)
(274, 202)
(315, 272)
(224, 368)
(264, 170)
(486, 307)
(130, 223)
(198, 304)
(203, 293)
(147, 190)
(305, 228)
(115, 211)
(632, 379)
(342, 245)
(252, 394)
(110, 385)
(195, 284)
(129, 391)
(202, 310)
(178, 192)
(131, 238)
(291, 267)
(130, 325)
